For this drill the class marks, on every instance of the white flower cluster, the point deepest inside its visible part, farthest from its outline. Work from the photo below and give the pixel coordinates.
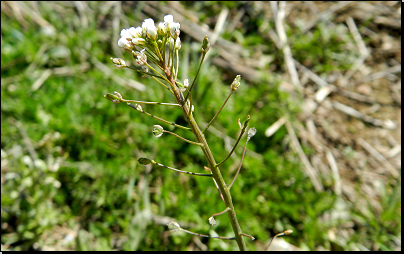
(138, 36)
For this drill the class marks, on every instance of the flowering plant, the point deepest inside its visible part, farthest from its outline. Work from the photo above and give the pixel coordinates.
(149, 44)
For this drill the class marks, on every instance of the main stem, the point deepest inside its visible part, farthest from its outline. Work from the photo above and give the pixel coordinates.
(211, 163)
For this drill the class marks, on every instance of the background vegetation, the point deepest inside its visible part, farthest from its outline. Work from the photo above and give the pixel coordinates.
(70, 179)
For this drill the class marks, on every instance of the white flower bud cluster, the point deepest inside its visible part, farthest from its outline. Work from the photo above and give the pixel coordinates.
(139, 36)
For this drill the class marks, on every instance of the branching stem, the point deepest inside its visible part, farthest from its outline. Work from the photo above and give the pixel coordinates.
(238, 140)
(211, 121)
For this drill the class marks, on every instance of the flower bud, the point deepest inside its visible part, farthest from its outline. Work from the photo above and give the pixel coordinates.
(144, 161)
(175, 30)
(158, 131)
(288, 232)
(162, 29)
(149, 29)
(119, 63)
(186, 83)
(140, 57)
(177, 44)
(205, 45)
(236, 83)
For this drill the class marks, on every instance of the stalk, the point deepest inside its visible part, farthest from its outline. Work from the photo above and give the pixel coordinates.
(211, 164)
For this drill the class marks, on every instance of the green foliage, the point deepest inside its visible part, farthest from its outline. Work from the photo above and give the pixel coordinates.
(101, 186)
(30, 199)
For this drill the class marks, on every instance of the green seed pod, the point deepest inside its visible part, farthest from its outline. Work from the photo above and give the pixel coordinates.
(112, 97)
(144, 161)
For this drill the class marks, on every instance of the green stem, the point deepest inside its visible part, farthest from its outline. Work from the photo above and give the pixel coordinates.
(238, 140)
(211, 121)
(199, 68)
(217, 237)
(153, 103)
(217, 176)
(181, 171)
(241, 162)
(184, 139)
(163, 85)
(158, 118)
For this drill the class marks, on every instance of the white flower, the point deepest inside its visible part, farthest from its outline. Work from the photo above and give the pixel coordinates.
(175, 29)
(149, 29)
(161, 29)
(124, 43)
(168, 18)
(121, 42)
(125, 33)
(139, 41)
(135, 32)
(186, 82)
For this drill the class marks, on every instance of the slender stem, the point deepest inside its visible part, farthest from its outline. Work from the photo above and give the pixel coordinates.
(217, 186)
(217, 176)
(216, 214)
(158, 51)
(163, 85)
(241, 162)
(158, 118)
(150, 102)
(148, 65)
(199, 68)
(190, 100)
(181, 171)
(217, 237)
(238, 140)
(286, 232)
(249, 236)
(176, 72)
(186, 140)
(146, 73)
(211, 121)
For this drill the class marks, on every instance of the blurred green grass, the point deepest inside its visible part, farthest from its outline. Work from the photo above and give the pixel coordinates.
(86, 173)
